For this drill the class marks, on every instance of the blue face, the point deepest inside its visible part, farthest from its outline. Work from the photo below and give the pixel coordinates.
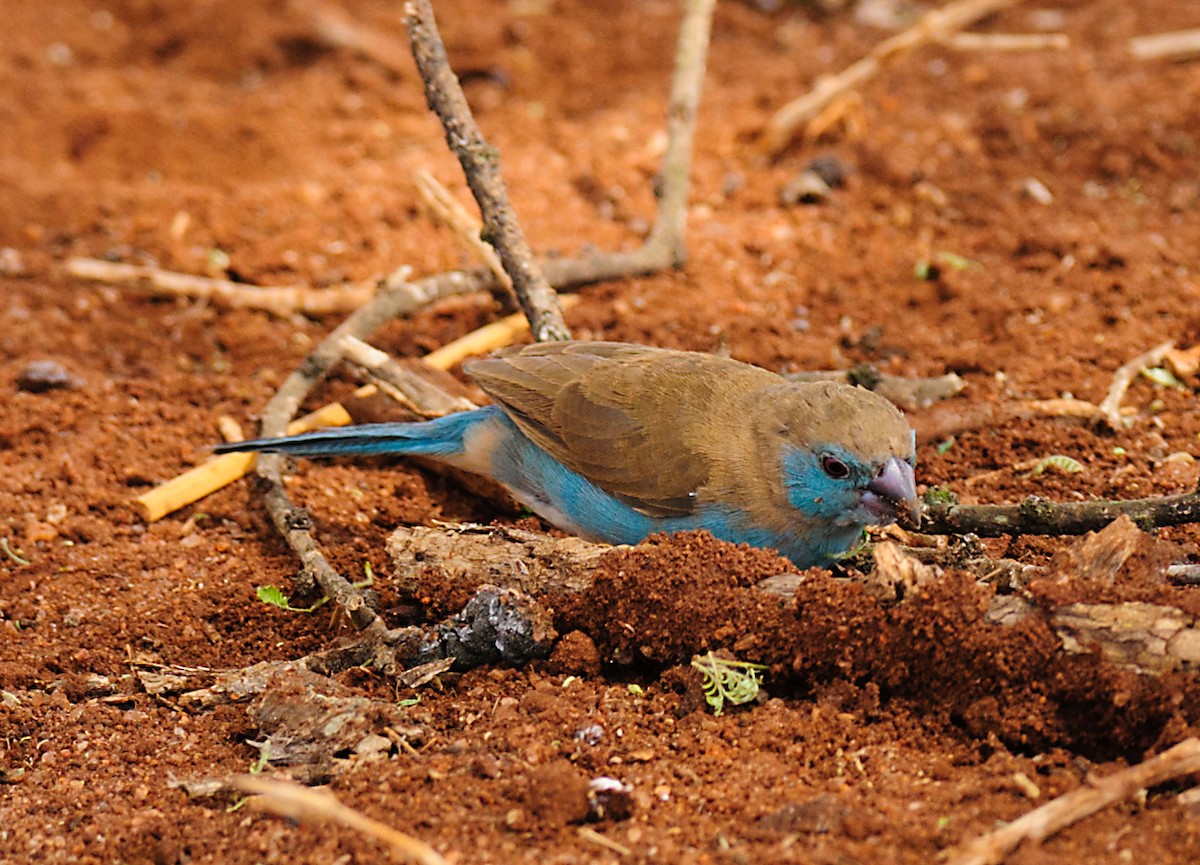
(829, 484)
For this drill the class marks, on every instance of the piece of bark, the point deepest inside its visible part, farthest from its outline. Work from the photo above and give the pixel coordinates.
(1147, 638)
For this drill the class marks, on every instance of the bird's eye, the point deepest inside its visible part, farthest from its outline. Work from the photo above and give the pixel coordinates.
(834, 467)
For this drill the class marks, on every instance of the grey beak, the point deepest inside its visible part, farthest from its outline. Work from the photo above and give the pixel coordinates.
(897, 485)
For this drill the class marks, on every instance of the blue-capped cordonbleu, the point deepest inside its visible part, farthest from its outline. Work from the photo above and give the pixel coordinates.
(615, 442)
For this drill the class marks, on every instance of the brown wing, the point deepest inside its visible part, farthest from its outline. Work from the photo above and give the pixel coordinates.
(613, 412)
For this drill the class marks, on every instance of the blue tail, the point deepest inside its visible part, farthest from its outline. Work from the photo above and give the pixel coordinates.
(441, 438)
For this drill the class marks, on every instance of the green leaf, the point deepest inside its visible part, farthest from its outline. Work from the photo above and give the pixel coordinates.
(272, 595)
(725, 680)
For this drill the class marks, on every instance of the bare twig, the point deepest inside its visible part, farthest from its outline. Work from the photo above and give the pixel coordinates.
(403, 385)
(935, 25)
(1179, 45)
(481, 165)
(1041, 823)
(294, 802)
(281, 300)
(1110, 408)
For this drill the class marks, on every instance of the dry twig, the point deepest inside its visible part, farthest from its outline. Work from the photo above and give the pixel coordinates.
(1041, 823)
(936, 25)
(465, 226)
(1110, 408)
(337, 29)
(294, 802)
(1038, 516)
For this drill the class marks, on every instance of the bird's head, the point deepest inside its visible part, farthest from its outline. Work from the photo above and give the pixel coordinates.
(846, 455)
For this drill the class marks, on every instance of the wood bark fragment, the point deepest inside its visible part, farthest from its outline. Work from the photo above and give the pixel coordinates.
(536, 564)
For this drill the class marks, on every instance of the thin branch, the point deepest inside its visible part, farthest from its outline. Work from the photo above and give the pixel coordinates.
(1110, 408)
(936, 25)
(1041, 823)
(1038, 516)
(481, 165)
(908, 393)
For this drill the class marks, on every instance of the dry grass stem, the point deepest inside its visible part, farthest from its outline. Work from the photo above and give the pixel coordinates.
(1009, 41)
(466, 227)
(935, 26)
(308, 804)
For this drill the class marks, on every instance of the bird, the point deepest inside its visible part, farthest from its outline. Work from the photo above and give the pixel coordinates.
(615, 442)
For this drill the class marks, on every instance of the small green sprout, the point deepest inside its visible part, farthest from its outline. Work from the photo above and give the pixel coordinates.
(939, 496)
(274, 596)
(1059, 463)
(636, 690)
(264, 758)
(15, 555)
(944, 446)
(735, 681)
(408, 701)
(925, 269)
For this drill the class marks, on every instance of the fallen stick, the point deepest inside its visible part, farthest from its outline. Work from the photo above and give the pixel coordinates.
(934, 26)
(1041, 823)
(336, 28)
(1038, 516)
(1110, 407)
(218, 472)
(908, 393)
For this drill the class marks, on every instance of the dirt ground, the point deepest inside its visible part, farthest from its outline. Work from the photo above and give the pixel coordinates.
(226, 136)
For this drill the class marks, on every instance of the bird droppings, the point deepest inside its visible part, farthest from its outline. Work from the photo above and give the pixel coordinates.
(890, 733)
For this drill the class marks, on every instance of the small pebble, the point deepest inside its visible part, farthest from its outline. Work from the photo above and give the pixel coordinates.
(830, 169)
(40, 376)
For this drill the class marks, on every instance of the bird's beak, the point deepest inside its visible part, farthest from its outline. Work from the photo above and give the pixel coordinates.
(893, 490)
